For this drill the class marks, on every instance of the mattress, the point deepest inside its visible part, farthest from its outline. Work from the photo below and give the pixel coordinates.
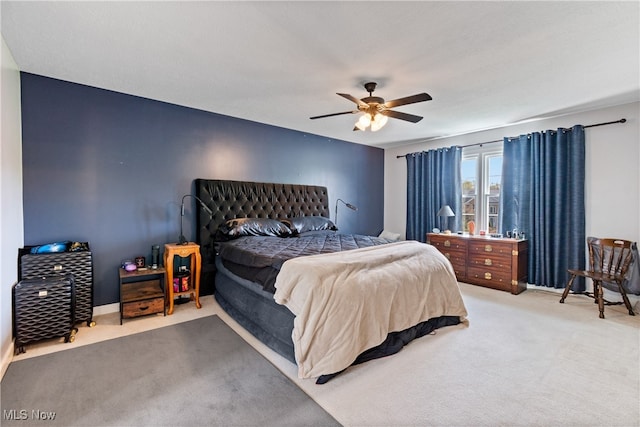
(259, 258)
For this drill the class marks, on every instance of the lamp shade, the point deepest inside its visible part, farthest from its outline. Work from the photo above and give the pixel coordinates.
(446, 211)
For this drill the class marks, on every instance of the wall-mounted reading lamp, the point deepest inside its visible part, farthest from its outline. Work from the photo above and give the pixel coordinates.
(349, 205)
(182, 240)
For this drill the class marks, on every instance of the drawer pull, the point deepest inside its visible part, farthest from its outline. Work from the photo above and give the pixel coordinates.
(488, 261)
(488, 248)
(447, 255)
(447, 243)
(143, 308)
(487, 276)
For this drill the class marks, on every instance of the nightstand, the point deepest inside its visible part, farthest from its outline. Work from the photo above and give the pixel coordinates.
(191, 250)
(142, 292)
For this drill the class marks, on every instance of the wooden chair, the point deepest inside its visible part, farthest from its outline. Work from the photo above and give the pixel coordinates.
(609, 261)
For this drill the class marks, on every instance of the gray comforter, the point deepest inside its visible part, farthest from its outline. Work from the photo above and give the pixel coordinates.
(259, 258)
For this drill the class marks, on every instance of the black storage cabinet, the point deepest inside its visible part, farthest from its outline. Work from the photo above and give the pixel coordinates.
(79, 264)
(42, 309)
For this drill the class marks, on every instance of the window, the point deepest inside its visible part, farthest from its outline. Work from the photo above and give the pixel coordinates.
(481, 178)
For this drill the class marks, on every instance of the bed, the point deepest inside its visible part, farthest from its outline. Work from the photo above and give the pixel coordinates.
(271, 251)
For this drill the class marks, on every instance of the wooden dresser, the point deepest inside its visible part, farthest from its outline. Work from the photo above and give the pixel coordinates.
(498, 263)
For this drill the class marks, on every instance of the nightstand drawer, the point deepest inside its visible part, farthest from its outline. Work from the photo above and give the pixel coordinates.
(143, 290)
(142, 308)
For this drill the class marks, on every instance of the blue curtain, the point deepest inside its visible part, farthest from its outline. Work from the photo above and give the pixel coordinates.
(433, 180)
(543, 181)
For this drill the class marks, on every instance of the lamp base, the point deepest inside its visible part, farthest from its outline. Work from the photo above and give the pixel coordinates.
(182, 240)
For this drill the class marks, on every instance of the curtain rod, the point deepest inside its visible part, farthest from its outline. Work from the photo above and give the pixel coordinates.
(501, 140)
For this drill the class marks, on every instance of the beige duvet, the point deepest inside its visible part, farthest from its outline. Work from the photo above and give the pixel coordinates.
(347, 302)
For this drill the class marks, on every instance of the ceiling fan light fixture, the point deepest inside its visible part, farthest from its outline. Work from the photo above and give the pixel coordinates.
(377, 111)
(379, 120)
(364, 121)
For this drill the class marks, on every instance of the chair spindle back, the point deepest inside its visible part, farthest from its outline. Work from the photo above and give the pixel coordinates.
(610, 256)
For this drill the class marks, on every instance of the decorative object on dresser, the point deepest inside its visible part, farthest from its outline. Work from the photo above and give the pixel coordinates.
(142, 292)
(191, 250)
(76, 259)
(43, 308)
(609, 262)
(472, 228)
(497, 263)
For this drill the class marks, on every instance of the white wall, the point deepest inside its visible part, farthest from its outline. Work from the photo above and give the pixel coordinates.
(612, 169)
(11, 224)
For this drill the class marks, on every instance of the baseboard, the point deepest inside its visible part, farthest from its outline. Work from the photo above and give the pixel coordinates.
(608, 295)
(7, 357)
(99, 310)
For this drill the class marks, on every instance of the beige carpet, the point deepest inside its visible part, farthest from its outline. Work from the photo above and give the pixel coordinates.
(524, 360)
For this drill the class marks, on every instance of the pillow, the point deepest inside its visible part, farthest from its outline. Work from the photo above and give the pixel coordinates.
(255, 227)
(309, 223)
(389, 235)
(50, 248)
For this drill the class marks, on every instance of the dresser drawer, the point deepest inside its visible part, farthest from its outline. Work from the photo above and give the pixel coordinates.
(454, 249)
(446, 243)
(143, 307)
(490, 247)
(493, 278)
(490, 261)
(458, 261)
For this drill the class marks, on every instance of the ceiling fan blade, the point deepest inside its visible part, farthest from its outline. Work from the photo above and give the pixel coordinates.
(354, 99)
(421, 97)
(402, 116)
(334, 114)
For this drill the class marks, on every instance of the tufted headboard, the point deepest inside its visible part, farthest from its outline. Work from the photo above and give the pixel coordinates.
(245, 199)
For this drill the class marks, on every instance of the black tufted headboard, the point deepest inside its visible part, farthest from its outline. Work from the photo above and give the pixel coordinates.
(245, 199)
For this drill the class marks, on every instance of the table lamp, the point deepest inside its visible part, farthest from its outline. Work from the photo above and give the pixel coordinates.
(444, 213)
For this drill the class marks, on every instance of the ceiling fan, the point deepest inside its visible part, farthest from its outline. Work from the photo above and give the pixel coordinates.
(377, 111)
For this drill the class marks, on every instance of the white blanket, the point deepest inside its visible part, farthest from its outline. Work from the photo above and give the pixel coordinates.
(347, 302)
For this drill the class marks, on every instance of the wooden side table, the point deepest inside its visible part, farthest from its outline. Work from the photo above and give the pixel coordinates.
(191, 250)
(142, 292)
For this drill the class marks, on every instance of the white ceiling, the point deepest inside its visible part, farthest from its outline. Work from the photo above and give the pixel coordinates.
(486, 64)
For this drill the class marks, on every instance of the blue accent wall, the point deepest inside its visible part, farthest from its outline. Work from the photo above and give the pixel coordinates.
(111, 169)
